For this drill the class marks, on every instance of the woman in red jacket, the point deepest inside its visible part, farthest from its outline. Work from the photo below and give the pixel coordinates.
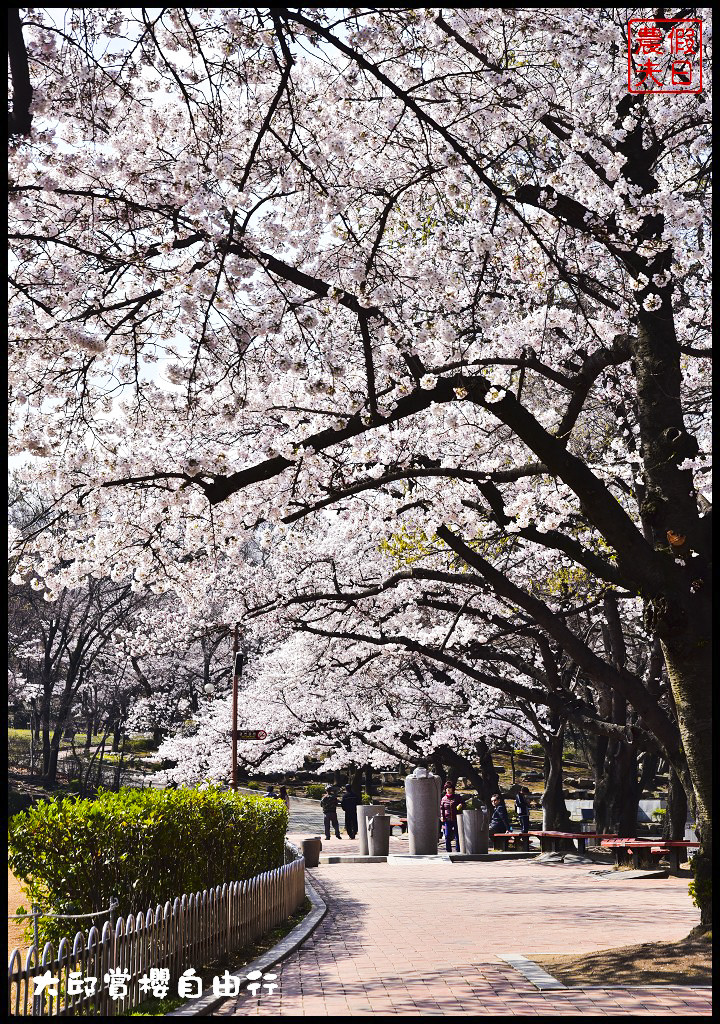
(450, 806)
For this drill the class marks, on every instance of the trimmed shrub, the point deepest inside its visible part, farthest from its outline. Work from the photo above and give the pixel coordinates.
(314, 790)
(142, 846)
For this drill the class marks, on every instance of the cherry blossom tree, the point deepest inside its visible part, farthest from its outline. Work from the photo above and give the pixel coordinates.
(434, 263)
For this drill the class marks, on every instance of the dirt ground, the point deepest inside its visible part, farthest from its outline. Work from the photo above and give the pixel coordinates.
(688, 962)
(16, 898)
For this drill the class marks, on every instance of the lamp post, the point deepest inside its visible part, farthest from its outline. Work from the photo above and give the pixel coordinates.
(237, 672)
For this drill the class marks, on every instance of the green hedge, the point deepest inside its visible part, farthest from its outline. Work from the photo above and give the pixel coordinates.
(314, 790)
(142, 846)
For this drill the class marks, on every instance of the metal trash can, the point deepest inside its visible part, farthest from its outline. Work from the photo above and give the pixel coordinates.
(311, 851)
(364, 812)
(473, 830)
(378, 830)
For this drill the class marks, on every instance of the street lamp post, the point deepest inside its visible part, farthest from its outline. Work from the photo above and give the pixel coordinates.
(237, 671)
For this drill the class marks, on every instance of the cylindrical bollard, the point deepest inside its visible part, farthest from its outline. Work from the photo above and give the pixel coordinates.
(378, 830)
(473, 831)
(422, 797)
(311, 851)
(365, 811)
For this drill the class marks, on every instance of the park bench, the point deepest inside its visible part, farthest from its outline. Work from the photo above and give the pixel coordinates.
(504, 840)
(550, 842)
(647, 852)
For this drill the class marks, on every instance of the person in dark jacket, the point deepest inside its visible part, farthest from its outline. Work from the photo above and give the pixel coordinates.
(499, 822)
(450, 806)
(522, 809)
(349, 804)
(329, 808)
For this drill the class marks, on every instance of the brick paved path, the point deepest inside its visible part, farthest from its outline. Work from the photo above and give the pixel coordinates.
(422, 939)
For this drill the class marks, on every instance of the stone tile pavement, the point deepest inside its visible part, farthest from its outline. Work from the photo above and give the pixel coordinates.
(424, 939)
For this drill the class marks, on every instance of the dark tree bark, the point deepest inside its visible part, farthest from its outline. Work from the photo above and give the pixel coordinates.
(355, 780)
(676, 808)
(649, 765)
(556, 816)
(89, 732)
(19, 117)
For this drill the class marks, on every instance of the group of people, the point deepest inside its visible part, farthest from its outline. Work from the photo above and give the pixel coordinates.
(348, 802)
(452, 804)
(329, 804)
(282, 794)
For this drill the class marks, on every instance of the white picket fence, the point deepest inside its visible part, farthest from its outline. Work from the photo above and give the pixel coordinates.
(192, 931)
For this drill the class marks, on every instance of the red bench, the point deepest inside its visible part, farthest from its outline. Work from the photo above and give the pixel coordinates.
(549, 841)
(400, 823)
(647, 852)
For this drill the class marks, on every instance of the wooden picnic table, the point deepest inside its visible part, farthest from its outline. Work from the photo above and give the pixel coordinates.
(645, 851)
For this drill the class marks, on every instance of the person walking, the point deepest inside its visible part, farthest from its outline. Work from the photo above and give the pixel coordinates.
(271, 794)
(522, 808)
(329, 806)
(500, 821)
(283, 795)
(349, 804)
(450, 806)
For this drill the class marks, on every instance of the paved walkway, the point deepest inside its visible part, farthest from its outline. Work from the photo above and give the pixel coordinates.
(422, 939)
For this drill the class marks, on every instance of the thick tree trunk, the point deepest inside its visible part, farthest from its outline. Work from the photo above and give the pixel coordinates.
(484, 779)
(649, 762)
(51, 773)
(677, 807)
(46, 748)
(617, 790)
(438, 762)
(689, 669)
(489, 779)
(556, 816)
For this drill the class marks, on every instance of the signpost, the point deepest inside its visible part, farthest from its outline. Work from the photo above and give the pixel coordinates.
(239, 734)
(237, 670)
